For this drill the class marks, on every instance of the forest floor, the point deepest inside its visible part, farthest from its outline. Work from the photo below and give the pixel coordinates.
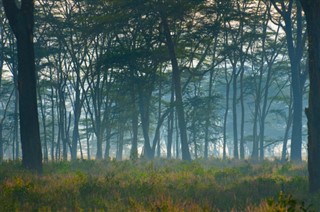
(158, 185)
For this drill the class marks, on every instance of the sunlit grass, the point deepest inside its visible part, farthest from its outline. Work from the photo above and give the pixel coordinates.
(158, 185)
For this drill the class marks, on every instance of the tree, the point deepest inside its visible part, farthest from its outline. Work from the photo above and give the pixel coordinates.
(311, 9)
(293, 27)
(21, 20)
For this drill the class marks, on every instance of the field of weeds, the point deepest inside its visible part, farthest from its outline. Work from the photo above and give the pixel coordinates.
(158, 185)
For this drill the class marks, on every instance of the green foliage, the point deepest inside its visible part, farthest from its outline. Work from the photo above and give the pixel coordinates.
(158, 185)
(287, 203)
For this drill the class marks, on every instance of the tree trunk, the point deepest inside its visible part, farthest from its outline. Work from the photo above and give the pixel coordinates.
(120, 142)
(226, 112)
(21, 21)
(311, 9)
(296, 139)
(144, 104)
(286, 133)
(234, 114)
(1, 144)
(52, 118)
(242, 153)
(77, 114)
(44, 126)
(135, 125)
(159, 117)
(108, 145)
(177, 87)
(87, 137)
(170, 124)
(207, 122)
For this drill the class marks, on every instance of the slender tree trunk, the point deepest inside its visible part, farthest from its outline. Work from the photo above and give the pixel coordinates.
(134, 120)
(107, 149)
(44, 126)
(177, 137)
(15, 140)
(225, 117)
(159, 117)
(135, 126)
(77, 114)
(286, 133)
(144, 104)
(87, 137)
(264, 112)
(257, 103)
(170, 124)
(120, 142)
(234, 114)
(242, 153)
(62, 125)
(207, 122)
(178, 93)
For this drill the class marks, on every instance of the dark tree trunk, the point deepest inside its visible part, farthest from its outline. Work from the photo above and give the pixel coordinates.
(1, 67)
(226, 112)
(135, 125)
(286, 133)
(53, 132)
(208, 123)
(44, 126)
(1, 144)
(311, 9)
(119, 153)
(296, 139)
(257, 103)
(108, 145)
(87, 137)
(77, 114)
(234, 114)
(144, 104)
(241, 144)
(62, 123)
(177, 87)
(21, 21)
(170, 124)
(158, 136)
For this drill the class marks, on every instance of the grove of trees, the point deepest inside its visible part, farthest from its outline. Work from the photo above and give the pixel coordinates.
(185, 79)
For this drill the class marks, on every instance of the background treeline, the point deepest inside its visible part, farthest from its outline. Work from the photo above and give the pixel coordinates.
(176, 79)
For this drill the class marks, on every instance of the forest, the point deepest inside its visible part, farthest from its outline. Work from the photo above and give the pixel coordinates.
(224, 86)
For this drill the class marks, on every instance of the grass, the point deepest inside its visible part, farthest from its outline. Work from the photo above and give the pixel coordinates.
(158, 185)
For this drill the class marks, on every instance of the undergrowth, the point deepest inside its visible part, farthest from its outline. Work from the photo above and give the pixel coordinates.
(158, 185)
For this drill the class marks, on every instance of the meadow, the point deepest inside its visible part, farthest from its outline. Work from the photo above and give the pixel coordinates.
(158, 185)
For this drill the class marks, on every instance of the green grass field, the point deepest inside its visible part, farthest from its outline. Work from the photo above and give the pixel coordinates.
(158, 185)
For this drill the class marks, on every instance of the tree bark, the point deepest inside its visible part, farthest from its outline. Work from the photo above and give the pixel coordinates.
(311, 9)
(177, 88)
(234, 112)
(21, 21)
(170, 124)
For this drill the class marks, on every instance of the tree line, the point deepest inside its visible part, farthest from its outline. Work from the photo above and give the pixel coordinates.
(195, 77)
(178, 79)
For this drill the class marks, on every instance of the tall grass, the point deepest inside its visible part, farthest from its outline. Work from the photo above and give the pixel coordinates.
(158, 185)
